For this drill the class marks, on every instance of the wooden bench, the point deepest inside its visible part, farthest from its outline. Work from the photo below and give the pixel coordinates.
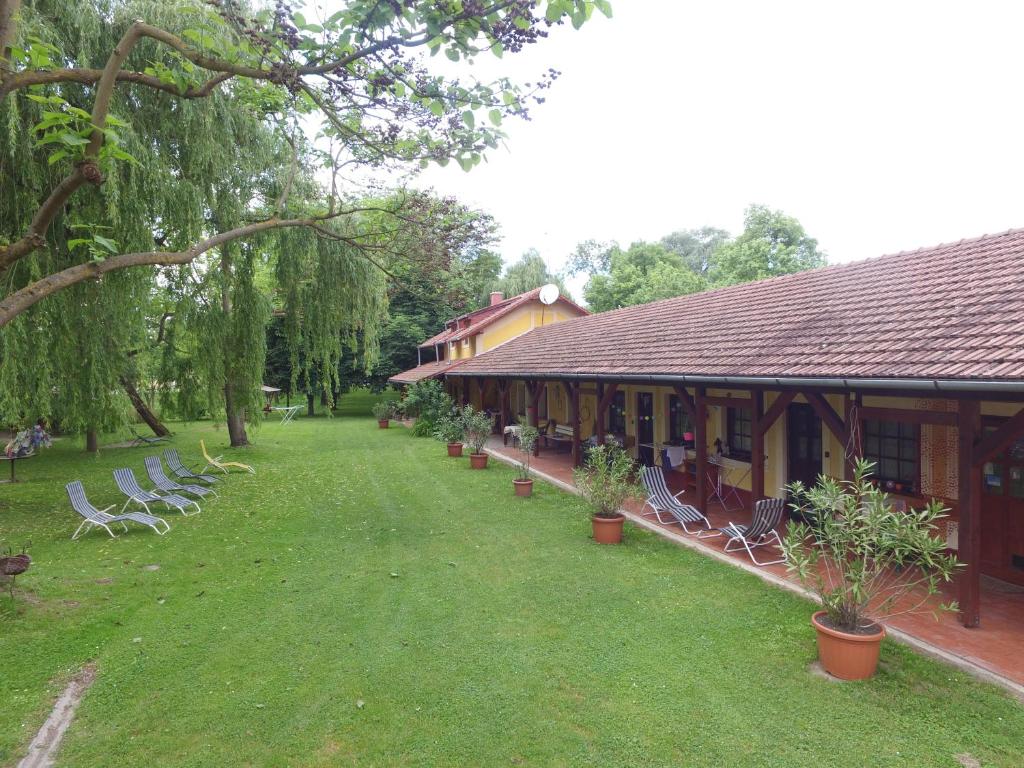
(562, 436)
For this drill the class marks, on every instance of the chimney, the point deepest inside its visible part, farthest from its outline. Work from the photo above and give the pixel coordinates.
(497, 297)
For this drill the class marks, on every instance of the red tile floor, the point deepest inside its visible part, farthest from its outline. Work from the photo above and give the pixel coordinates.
(996, 647)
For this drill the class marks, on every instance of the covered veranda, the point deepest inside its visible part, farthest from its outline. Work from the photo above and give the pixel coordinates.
(993, 651)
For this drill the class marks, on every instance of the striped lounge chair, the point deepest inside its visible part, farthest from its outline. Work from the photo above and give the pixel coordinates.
(130, 487)
(179, 469)
(763, 529)
(162, 482)
(667, 508)
(101, 518)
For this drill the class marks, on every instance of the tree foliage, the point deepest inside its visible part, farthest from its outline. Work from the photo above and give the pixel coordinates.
(531, 271)
(689, 261)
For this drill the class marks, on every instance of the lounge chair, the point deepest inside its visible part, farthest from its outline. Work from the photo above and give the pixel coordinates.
(100, 518)
(763, 529)
(130, 487)
(162, 482)
(216, 463)
(138, 439)
(179, 469)
(662, 502)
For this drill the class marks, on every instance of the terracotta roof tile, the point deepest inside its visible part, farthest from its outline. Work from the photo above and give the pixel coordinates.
(952, 311)
(425, 371)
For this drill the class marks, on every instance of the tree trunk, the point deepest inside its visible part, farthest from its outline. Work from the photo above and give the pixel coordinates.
(92, 442)
(323, 398)
(236, 420)
(310, 409)
(143, 410)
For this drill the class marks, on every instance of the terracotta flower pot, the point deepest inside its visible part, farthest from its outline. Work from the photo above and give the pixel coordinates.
(478, 460)
(523, 487)
(607, 530)
(844, 655)
(383, 423)
(455, 450)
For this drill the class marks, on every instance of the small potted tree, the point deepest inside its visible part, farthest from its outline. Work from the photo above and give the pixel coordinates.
(605, 481)
(476, 426)
(383, 410)
(449, 430)
(523, 483)
(866, 561)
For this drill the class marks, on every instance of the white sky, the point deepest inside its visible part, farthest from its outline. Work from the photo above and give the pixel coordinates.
(881, 126)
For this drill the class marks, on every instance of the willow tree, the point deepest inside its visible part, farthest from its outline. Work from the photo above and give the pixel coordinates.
(103, 103)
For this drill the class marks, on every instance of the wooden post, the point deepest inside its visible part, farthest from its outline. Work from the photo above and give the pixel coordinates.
(533, 399)
(603, 402)
(756, 446)
(700, 436)
(572, 390)
(504, 406)
(968, 431)
(854, 428)
(598, 415)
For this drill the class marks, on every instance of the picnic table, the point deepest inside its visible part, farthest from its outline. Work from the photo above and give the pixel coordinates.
(287, 412)
(13, 459)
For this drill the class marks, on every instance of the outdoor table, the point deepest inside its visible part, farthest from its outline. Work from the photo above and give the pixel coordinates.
(287, 412)
(512, 429)
(13, 459)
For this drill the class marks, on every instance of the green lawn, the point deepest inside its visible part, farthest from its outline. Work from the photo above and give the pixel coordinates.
(364, 600)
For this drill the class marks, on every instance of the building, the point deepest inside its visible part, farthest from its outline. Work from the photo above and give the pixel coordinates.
(913, 360)
(471, 334)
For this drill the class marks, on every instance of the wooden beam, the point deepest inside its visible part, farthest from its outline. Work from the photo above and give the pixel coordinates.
(573, 390)
(728, 402)
(998, 440)
(686, 401)
(969, 504)
(778, 407)
(609, 395)
(603, 401)
(908, 416)
(533, 399)
(757, 430)
(700, 435)
(828, 416)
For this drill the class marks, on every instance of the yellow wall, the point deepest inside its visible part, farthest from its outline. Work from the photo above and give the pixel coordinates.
(521, 320)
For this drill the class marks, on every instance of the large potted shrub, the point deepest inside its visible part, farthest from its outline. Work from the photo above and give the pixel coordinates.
(605, 481)
(867, 561)
(383, 410)
(523, 483)
(476, 427)
(449, 430)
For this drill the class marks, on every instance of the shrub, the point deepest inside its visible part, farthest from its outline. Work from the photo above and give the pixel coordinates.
(860, 555)
(476, 426)
(527, 442)
(606, 480)
(383, 409)
(449, 430)
(428, 403)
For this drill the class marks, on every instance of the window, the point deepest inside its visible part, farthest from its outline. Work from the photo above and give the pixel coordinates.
(678, 420)
(894, 447)
(739, 432)
(617, 414)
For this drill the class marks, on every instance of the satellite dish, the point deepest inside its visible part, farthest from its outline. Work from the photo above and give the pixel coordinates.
(549, 294)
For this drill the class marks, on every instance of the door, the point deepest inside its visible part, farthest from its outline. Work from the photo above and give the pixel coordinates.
(645, 427)
(803, 430)
(1002, 515)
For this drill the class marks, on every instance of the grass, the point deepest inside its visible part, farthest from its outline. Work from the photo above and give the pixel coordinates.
(364, 600)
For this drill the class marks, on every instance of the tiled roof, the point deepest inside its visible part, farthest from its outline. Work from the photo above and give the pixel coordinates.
(481, 318)
(954, 311)
(425, 371)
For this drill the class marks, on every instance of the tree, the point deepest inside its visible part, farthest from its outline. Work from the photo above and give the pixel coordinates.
(643, 273)
(696, 247)
(771, 244)
(183, 148)
(528, 273)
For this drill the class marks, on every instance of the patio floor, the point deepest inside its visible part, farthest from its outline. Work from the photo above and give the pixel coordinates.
(991, 651)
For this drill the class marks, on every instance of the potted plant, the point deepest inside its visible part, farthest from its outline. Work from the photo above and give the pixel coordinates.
(866, 561)
(383, 410)
(476, 426)
(605, 481)
(449, 430)
(523, 483)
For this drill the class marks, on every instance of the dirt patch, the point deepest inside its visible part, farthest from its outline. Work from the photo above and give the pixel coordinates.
(153, 567)
(42, 752)
(968, 761)
(819, 671)
(105, 580)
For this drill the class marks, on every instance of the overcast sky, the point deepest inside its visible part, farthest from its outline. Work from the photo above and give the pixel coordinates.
(881, 126)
